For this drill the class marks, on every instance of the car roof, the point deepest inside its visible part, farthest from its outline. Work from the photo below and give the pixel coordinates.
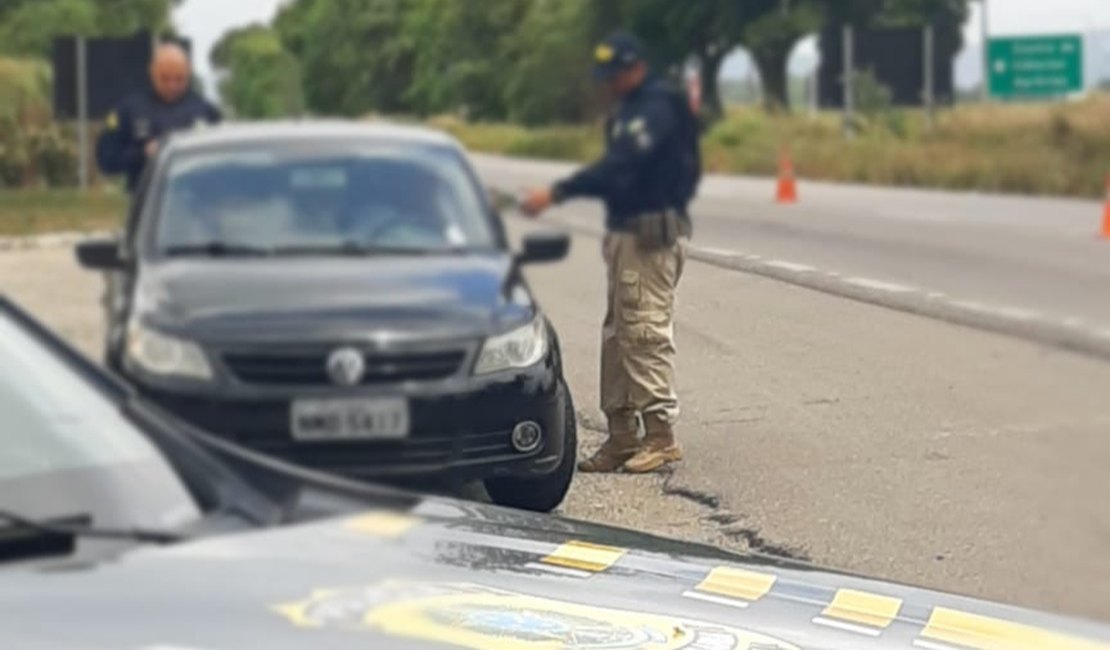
(230, 133)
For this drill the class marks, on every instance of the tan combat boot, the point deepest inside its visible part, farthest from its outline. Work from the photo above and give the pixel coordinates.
(659, 448)
(622, 444)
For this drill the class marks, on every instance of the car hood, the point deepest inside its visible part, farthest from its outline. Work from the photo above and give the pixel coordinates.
(452, 574)
(310, 298)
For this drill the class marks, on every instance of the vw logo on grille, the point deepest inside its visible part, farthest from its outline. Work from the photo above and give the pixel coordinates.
(346, 367)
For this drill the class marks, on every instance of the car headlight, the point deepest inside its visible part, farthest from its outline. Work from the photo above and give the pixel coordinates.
(164, 355)
(519, 348)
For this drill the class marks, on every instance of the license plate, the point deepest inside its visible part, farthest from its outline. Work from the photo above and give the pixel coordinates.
(350, 419)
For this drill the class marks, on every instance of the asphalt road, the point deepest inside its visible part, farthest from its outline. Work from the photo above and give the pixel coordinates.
(1032, 267)
(850, 434)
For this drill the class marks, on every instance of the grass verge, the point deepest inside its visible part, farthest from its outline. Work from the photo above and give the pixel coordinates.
(33, 212)
(1046, 149)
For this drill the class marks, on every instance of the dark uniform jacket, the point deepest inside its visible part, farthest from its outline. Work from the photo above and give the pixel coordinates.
(651, 161)
(143, 117)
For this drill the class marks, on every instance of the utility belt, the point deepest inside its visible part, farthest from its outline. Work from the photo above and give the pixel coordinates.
(660, 229)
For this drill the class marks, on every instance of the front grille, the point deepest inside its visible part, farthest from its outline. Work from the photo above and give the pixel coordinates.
(310, 368)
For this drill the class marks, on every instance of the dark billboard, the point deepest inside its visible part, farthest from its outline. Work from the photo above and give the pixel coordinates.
(116, 68)
(896, 57)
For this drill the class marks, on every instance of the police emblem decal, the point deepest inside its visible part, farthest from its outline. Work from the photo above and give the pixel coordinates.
(346, 367)
(483, 618)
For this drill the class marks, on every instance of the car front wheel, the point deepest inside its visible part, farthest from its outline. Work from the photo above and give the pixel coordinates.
(542, 493)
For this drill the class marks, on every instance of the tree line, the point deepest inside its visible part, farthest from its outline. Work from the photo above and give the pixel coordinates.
(524, 61)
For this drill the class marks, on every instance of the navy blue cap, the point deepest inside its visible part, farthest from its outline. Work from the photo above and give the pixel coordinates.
(619, 51)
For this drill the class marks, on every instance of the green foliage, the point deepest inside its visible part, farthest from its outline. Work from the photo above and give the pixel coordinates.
(528, 60)
(355, 55)
(24, 88)
(872, 98)
(33, 149)
(551, 50)
(464, 55)
(261, 78)
(28, 27)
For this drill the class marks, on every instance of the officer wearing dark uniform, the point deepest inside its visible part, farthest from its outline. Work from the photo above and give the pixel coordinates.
(647, 179)
(133, 130)
(651, 155)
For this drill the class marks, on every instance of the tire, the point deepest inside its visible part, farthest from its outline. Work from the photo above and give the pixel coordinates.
(542, 493)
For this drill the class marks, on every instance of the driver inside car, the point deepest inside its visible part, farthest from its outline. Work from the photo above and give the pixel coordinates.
(236, 214)
(387, 216)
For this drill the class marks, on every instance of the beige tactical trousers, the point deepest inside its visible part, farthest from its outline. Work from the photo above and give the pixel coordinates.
(637, 344)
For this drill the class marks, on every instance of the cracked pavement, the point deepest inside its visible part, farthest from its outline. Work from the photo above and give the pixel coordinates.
(847, 434)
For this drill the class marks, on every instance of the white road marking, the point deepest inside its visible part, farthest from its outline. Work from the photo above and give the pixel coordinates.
(574, 573)
(724, 252)
(971, 305)
(715, 599)
(915, 215)
(1013, 313)
(931, 645)
(848, 627)
(1017, 313)
(880, 285)
(790, 266)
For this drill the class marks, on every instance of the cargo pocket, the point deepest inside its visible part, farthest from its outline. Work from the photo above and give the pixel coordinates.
(645, 328)
(630, 291)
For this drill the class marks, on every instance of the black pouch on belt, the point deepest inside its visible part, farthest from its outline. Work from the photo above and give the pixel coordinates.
(658, 230)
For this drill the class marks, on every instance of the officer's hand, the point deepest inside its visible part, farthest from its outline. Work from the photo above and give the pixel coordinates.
(536, 202)
(151, 149)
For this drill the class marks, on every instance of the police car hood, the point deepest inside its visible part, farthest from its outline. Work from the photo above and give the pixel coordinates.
(448, 574)
(324, 297)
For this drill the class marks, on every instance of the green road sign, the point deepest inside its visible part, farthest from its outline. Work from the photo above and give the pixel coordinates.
(1036, 66)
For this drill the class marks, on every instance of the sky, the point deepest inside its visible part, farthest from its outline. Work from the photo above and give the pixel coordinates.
(206, 20)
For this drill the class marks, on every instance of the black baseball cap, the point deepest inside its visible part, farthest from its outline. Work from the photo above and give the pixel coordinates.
(619, 51)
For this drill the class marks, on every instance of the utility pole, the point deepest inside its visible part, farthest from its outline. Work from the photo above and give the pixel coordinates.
(848, 38)
(929, 94)
(985, 23)
(82, 113)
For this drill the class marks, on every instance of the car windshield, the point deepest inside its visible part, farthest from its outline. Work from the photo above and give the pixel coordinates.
(68, 450)
(275, 199)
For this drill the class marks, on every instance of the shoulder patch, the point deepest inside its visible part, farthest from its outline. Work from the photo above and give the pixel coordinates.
(112, 122)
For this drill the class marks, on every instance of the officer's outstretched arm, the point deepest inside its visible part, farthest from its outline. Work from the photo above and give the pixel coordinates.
(117, 151)
(636, 141)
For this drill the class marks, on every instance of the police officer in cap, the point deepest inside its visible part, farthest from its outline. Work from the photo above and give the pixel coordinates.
(132, 134)
(647, 178)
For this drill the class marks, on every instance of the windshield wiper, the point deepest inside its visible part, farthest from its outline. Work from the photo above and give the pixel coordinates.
(217, 249)
(135, 534)
(369, 250)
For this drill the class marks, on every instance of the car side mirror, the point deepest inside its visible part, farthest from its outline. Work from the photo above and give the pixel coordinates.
(544, 247)
(100, 255)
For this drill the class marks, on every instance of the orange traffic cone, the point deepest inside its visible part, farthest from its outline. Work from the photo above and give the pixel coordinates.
(1106, 212)
(788, 188)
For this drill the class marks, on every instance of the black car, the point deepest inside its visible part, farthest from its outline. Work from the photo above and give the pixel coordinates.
(342, 296)
(122, 527)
